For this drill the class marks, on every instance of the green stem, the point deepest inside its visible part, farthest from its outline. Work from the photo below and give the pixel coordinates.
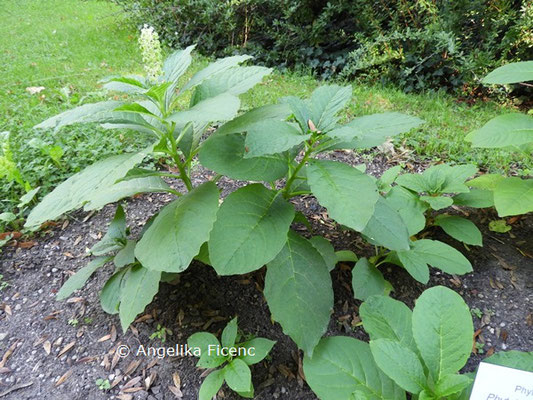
(307, 154)
(176, 157)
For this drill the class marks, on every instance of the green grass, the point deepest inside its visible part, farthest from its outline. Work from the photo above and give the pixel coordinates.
(68, 45)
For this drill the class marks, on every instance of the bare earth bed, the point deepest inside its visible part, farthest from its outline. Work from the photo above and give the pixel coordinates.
(46, 357)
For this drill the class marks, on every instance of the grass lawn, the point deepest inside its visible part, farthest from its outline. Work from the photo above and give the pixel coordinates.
(66, 46)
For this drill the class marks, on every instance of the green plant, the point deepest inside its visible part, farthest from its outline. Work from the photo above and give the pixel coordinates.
(251, 228)
(399, 223)
(161, 333)
(477, 312)
(73, 322)
(3, 284)
(512, 195)
(103, 384)
(419, 352)
(233, 355)
(15, 221)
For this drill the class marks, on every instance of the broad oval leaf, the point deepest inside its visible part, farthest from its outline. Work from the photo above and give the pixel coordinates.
(299, 292)
(512, 359)
(515, 72)
(211, 385)
(250, 230)
(177, 233)
(206, 342)
(213, 69)
(460, 228)
(326, 250)
(272, 137)
(410, 208)
(386, 318)
(502, 131)
(342, 367)
(476, 198)
(224, 154)
(177, 63)
(261, 347)
(348, 194)
(400, 363)
(243, 122)
(139, 289)
(79, 188)
(443, 331)
(513, 196)
(367, 280)
(386, 227)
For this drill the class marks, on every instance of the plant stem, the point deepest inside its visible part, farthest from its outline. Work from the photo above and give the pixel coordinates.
(307, 154)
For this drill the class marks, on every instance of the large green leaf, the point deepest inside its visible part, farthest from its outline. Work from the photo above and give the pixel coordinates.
(342, 368)
(125, 84)
(348, 194)
(93, 112)
(272, 137)
(241, 123)
(299, 292)
(521, 71)
(502, 131)
(224, 154)
(138, 291)
(250, 230)
(386, 318)
(410, 208)
(460, 228)
(437, 254)
(177, 233)
(220, 108)
(213, 69)
(77, 280)
(372, 130)
(234, 81)
(79, 188)
(443, 331)
(326, 102)
(386, 227)
(512, 359)
(124, 189)
(450, 384)
(400, 363)
(513, 196)
(367, 280)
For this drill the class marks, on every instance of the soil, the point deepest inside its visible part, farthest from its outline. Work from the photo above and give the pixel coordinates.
(57, 350)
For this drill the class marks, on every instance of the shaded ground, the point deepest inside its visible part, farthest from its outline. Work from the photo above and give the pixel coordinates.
(35, 329)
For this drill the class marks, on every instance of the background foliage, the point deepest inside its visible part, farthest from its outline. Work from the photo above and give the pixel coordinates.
(416, 45)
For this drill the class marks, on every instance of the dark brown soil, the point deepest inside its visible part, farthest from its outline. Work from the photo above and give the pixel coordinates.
(32, 322)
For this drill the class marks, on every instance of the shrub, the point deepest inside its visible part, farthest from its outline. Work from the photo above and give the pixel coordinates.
(416, 45)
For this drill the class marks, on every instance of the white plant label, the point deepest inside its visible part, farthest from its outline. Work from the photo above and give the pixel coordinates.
(494, 382)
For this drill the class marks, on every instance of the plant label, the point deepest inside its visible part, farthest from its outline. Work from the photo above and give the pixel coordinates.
(494, 382)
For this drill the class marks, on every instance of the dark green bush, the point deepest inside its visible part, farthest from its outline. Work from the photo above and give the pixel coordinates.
(416, 45)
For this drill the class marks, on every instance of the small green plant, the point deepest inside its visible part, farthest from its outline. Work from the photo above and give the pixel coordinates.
(480, 347)
(87, 321)
(3, 284)
(8, 167)
(15, 220)
(512, 195)
(103, 384)
(499, 226)
(161, 333)
(419, 352)
(477, 312)
(73, 322)
(234, 358)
